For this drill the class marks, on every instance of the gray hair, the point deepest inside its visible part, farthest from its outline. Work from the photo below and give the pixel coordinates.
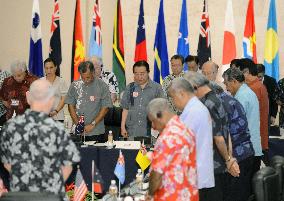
(233, 74)
(18, 65)
(96, 60)
(156, 107)
(196, 79)
(181, 84)
(215, 87)
(41, 91)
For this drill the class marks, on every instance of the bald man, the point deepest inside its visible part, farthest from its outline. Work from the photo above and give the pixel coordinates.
(210, 70)
(36, 149)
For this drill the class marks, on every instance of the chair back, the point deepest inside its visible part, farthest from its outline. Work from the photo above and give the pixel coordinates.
(30, 196)
(277, 162)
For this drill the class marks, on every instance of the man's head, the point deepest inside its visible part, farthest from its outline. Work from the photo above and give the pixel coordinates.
(233, 79)
(86, 70)
(141, 71)
(192, 63)
(41, 96)
(50, 67)
(177, 64)
(19, 70)
(234, 63)
(98, 64)
(210, 70)
(260, 71)
(180, 90)
(196, 80)
(248, 67)
(159, 113)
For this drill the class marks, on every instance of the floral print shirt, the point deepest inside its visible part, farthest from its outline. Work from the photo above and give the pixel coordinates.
(37, 147)
(3, 75)
(174, 157)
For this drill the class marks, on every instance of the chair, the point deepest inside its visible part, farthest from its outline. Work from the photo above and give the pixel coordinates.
(266, 185)
(112, 121)
(277, 162)
(30, 196)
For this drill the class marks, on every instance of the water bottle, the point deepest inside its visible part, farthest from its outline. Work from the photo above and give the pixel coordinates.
(113, 188)
(110, 137)
(139, 178)
(14, 114)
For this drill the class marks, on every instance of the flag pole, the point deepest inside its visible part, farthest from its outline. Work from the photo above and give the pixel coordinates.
(93, 167)
(118, 189)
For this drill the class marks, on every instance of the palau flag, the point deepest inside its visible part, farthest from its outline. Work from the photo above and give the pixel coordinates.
(161, 62)
(95, 44)
(271, 53)
(55, 41)
(140, 49)
(35, 60)
(183, 44)
(249, 40)
(118, 63)
(229, 45)
(119, 170)
(204, 43)
(78, 48)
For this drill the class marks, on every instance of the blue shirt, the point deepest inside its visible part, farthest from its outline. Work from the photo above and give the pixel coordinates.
(197, 118)
(238, 126)
(250, 103)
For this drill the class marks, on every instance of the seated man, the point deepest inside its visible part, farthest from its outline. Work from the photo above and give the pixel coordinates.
(36, 150)
(173, 170)
(90, 97)
(14, 88)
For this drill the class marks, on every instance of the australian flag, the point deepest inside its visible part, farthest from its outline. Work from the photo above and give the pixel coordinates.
(204, 43)
(55, 41)
(35, 60)
(80, 127)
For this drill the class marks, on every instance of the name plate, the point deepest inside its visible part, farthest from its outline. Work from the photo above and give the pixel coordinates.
(127, 144)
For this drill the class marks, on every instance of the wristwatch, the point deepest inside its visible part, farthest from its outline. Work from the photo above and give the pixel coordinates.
(93, 123)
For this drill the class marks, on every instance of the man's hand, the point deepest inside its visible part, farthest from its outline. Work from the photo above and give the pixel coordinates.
(272, 120)
(124, 132)
(89, 128)
(233, 167)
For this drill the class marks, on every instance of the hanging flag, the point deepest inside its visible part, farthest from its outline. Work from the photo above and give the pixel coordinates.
(78, 48)
(97, 181)
(204, 43)
(118, 63)
(35, 60)
(161, 60)
(95, 44)
(55, 41)
(80, 127)
(119, 170)
(80, 187)
(249, 40)
(183, 44)
(142, 158)
(140, 49)
(229, 45)
(271, 53)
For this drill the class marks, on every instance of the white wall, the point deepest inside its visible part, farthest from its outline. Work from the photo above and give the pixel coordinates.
(15, 22)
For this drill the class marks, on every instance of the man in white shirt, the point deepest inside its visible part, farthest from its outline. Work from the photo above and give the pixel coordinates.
(197, 118)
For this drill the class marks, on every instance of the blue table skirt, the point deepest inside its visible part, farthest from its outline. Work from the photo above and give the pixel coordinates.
(276, 147)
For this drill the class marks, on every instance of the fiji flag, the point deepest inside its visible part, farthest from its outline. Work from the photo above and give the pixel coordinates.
(271, 53)
(183, 45)
(161, 62)
(140, 49)
(35, 60)
(95, 45)
(119, 170)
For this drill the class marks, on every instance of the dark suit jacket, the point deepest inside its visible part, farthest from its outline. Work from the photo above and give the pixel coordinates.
(271, 86)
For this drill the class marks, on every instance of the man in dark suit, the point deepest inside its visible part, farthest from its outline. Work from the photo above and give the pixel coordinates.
(271, 86)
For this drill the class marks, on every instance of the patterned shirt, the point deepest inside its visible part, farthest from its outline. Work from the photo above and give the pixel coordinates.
(110, 79)
(262, 96)
(3, 75)
(174, 157)
(36, 146)
(238, 124)
(219, 126)
(15, 93)
(165, 86)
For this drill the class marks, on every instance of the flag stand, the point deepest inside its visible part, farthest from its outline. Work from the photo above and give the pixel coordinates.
(118, 189)
(93, 167)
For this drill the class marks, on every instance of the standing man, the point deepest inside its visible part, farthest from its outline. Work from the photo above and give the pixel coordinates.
(210, 71)
(177, 71)
(222, 154)
(14, 88)
(90, 97)
(36, 149)
(197, 118)
(173, 168)
(135, 99)
(192, 63)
